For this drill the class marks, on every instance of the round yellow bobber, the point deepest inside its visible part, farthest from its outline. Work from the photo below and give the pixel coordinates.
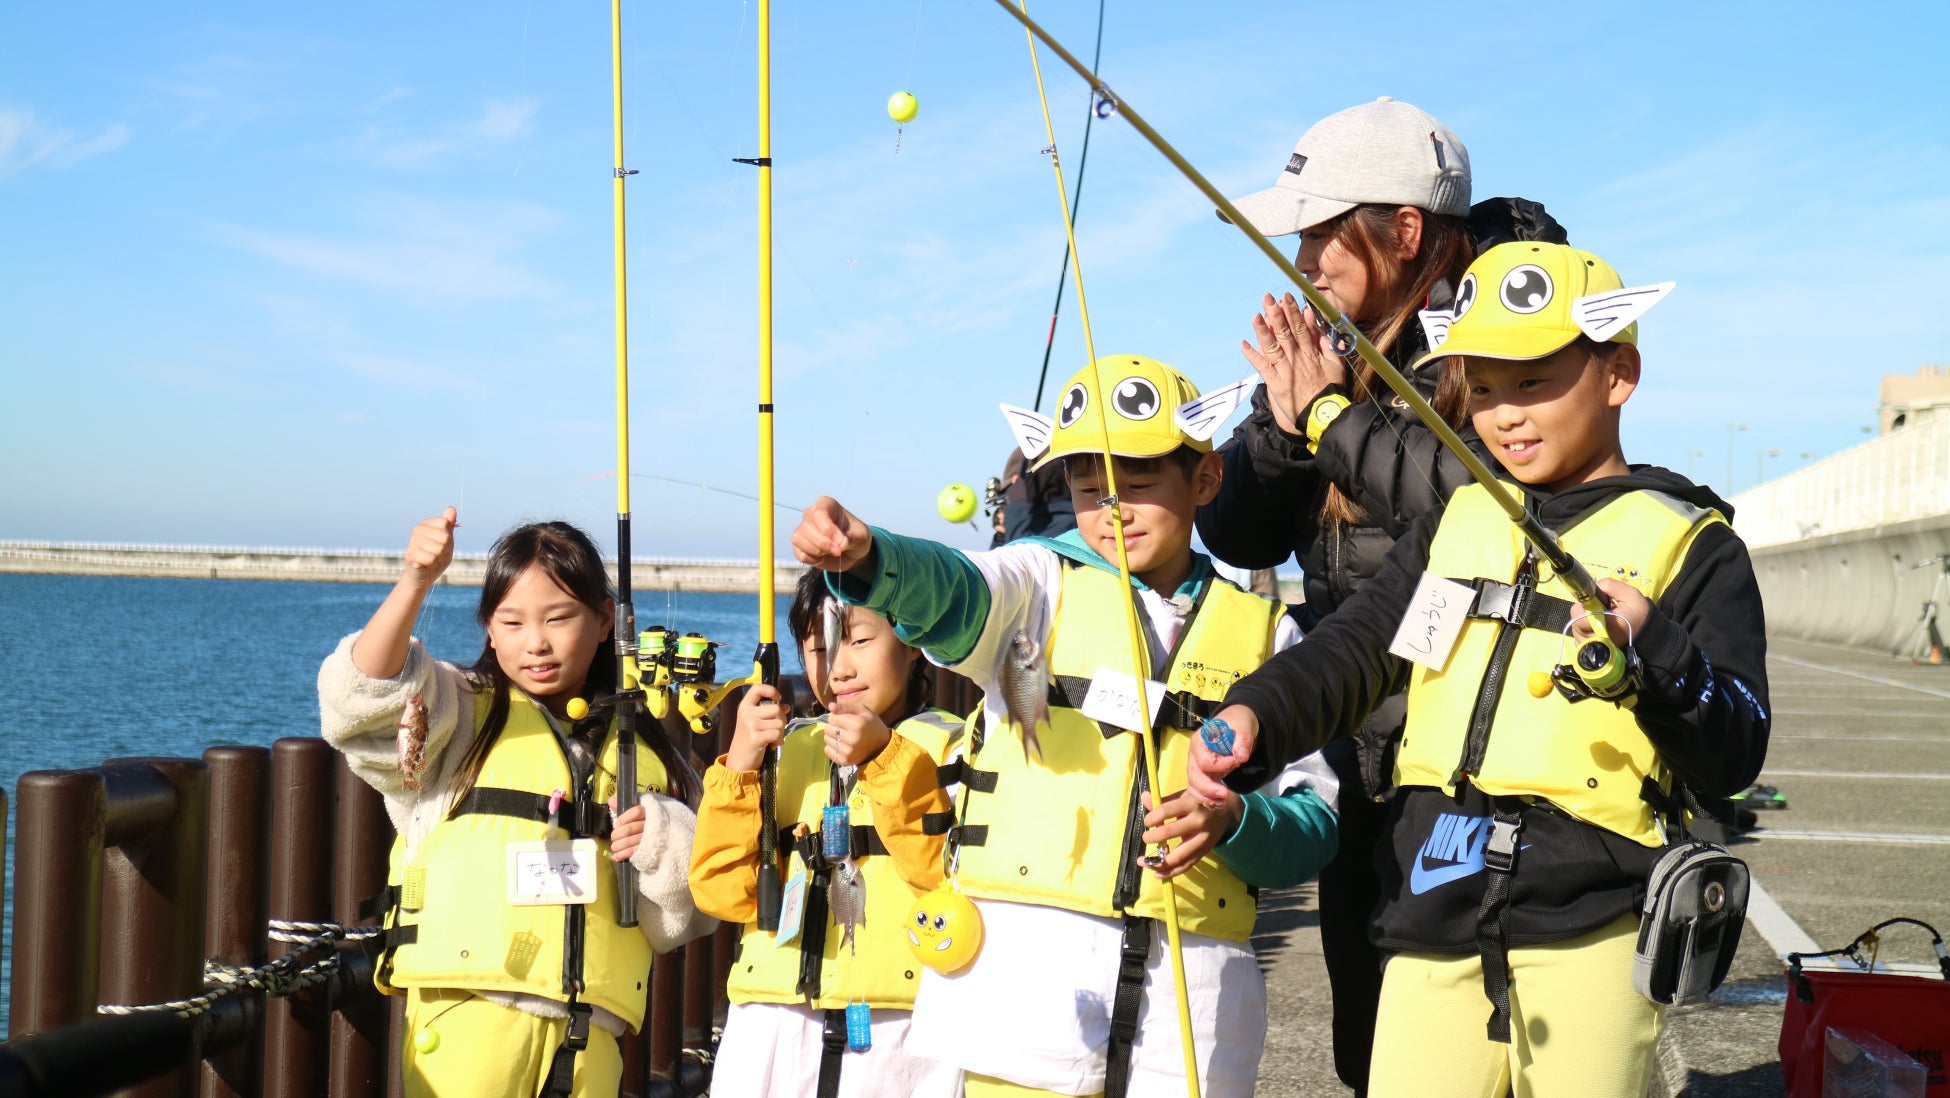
(1539, 684)
(902, 107)
(425, 1041)
(956, 503)
(578, 709)
(944, 930)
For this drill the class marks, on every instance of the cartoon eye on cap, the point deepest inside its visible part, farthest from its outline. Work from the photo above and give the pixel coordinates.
(1526, 289)
(1075, 399)
(1135, 398)
(1465, 296)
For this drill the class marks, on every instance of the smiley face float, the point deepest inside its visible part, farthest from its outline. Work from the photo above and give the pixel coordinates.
(944, 930)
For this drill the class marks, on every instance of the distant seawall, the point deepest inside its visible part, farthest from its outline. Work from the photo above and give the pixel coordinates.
(344, 565)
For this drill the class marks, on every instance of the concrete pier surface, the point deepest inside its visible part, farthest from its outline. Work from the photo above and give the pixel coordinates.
(345, 565)
(1861, 750)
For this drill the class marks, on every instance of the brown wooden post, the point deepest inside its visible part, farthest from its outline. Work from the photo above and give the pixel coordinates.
(304, 789)
(234, 898)
(57, 920)
(152, 893)
(360, 1032)
(666, 1021)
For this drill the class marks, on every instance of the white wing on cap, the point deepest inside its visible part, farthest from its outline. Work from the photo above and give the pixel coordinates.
(1435, 325)
(1200, 419)
(1032, 430)
(1602, 316)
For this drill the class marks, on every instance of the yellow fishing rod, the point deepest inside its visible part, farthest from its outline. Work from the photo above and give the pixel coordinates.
(629, 698)
(1140, 653)
(1568, 567)
(765, 665)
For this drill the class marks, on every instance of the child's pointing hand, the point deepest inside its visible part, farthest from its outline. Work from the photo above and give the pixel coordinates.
(831, 538)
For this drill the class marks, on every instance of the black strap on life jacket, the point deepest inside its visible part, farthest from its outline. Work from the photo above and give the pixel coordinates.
(1498, 601)
(812, 935)
(562, 1069)
(1513, 606)
(1500, 859)
(964, 772)
(1126, 1006)
(863, 842)
(1180, 708)
(581, 817)
(832, 1052)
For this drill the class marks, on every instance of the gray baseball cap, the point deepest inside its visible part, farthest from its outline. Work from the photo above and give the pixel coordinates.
(1382, 152)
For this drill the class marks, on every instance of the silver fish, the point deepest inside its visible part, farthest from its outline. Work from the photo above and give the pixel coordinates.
(834, 614)
(1025, 688)
(846, 898)
(413, 741)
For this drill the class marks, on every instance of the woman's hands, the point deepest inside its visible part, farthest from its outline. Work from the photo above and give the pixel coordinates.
(759, 727)
(1205, 772)
(1294, 360)
(1197, 827)
(855, 733)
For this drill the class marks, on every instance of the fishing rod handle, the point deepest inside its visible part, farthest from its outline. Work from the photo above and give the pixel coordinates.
(626, 798)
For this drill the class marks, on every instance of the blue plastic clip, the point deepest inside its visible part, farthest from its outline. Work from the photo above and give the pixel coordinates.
(859, 1027)
(836, 833)
(1217, 735)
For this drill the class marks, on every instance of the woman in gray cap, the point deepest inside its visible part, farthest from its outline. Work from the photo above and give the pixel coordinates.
(1331, 467)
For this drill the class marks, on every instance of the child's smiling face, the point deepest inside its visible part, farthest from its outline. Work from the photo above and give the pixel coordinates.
(1553, 421)
(544, 639)
(1159, 500)
(871, 667)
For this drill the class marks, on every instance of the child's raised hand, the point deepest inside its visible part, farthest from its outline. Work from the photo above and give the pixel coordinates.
(1205, 772)
(759, 727)
(831, 538)
(430, 549)
(1197, 827)
(1628, 603)
(626, 834)
(855, 733)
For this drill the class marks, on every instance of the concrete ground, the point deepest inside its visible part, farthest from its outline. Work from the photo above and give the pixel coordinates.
(1861, 749)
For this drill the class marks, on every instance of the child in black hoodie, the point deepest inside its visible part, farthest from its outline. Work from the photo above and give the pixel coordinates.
(1497, 755)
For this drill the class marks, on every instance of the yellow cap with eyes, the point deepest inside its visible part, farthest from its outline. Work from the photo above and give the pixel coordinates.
(1528, 299)
(1139, 412)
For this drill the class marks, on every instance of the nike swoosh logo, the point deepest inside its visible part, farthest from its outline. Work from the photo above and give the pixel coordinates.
(1421, 879)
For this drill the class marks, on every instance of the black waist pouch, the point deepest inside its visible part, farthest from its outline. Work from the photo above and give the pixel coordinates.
(1695, 907)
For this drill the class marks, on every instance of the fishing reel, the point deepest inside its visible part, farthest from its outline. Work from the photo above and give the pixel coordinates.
(1597, 669)
(992, 496)
(665, 665)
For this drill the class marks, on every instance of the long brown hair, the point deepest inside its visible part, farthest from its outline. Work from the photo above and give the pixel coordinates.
(566, 555)
(1369, 232)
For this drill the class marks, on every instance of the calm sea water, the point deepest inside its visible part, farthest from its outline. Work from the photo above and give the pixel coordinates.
(99, 667)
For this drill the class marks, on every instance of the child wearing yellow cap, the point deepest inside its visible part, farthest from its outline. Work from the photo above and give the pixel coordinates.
(1071, 991)
(1530, 805)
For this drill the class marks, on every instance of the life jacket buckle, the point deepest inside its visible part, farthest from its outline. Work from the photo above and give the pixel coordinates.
(1500, 853)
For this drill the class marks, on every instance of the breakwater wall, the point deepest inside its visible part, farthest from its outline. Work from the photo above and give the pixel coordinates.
(345, 565)
(1847, 549)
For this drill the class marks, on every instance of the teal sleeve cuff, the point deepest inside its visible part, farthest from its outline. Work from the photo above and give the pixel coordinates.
(934, 595)
(1281, 841)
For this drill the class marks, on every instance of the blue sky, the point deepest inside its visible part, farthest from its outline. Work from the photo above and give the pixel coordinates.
(284, 275)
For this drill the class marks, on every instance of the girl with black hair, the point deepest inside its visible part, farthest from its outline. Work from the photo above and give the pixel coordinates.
(502, 923)
(821, 1006)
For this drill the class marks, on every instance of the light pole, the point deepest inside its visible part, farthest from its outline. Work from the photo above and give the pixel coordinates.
(1760, 461)
(1690, 455)
(1731, 428)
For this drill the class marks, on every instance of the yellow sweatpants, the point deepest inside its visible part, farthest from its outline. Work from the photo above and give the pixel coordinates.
(481, 1049)
(1577, 1027)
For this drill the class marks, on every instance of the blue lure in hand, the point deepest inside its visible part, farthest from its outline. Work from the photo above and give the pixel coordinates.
(1217, 735)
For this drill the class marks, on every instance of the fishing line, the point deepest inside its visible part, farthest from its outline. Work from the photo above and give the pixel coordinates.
(1076, 202)
(1140, 650)
(694, 484)
(913, 43)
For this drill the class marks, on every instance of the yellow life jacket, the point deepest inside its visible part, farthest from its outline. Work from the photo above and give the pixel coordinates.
(877, 968)
(452, 924)
(1063, 829)
(1589, 758)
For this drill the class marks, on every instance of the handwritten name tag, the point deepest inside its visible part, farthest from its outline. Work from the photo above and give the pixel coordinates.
(1113, 699)
(552, 871)
(1433, 622)
(792, 908)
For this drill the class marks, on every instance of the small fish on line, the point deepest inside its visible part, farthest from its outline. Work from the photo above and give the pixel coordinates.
(1025, 689)
(413, 741)
(846, 898)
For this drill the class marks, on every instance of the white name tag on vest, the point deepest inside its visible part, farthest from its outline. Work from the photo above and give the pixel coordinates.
(792, 909)
(1113, 699)
(552, 871)
(1433, 621)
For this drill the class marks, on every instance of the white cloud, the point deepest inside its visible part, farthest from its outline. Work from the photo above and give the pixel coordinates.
(418, 249)
(390, 143)
(26, 142)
